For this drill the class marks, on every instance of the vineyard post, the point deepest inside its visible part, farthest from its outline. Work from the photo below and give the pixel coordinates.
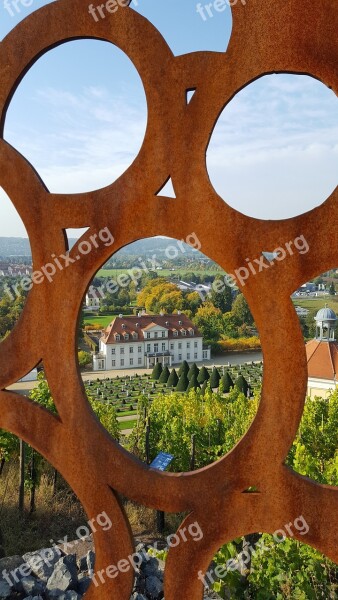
(22, 477)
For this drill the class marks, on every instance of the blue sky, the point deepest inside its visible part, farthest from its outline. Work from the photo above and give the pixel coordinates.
(274, 152)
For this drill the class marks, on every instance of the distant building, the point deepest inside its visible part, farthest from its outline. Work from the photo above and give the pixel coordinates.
(94, 298)
(144, 340)
(322, 355)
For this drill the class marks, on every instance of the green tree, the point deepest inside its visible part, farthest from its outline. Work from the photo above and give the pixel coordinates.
(193, 383)
(157, 371)
(173, 379)
(242, 385)
(182, 383)
(227, 383)
(194, 370)
(85, 358)
(164, 375)
(221, 295)
(209, 321)
(203, 375)
(332, 289)
(241, 311)
(184, 368)
(215, 378)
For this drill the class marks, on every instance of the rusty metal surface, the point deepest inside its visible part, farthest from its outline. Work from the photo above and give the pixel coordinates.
(298, 36)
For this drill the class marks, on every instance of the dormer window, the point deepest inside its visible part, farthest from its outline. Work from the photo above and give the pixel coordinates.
(137, 324)
(180, 323)
(126, 336)
(167, 323)
(117, 337)
(175, 333)
(192, 332)
(135, 336)
(183, 331)
(123, 326)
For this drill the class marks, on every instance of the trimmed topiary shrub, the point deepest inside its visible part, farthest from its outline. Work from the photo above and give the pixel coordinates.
(242, 385)
(227, 383)
(203, 375)
(173, 379)
(193, 383)
(183, 383)
(157, 371)
(194, 370)
(215, 378)
(183, 368)
(164, 375)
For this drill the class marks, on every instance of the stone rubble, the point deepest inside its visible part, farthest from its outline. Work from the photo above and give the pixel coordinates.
(64, 577)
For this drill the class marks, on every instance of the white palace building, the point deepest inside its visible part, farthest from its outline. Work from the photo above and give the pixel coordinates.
(144, 340)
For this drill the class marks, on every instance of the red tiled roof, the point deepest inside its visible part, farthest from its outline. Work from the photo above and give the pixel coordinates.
(123, 325)
(322, 359)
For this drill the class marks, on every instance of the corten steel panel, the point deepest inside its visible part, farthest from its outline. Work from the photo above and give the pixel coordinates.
(298, 36)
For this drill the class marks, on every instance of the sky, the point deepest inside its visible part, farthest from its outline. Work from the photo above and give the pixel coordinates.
(273, 154)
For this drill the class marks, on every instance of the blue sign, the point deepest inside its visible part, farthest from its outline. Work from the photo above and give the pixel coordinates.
(162, 461)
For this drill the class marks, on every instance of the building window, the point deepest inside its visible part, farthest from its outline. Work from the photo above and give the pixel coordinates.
(171, 346)
(135, 336)
(139, 349)
(113, 363)
(163, 333)
(183, 331)
(155, 347)
(180, 357)
(131, 361)
(175, 333)
(188, 344)
(140, 361)
(156, 334)
(148, 347)
(122, 350)
(195, 355)
(191, 332)
(113, 350)
(131, 350)
(180, 345)
(195, 344)
(122, 362)
(117, 337)
(148, 335)
(188, 355)
(163, 346)
(126, 336)
(101, 365)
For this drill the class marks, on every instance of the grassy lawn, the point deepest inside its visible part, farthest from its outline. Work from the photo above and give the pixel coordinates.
(126, 425)
(317, 303)
(104, 320)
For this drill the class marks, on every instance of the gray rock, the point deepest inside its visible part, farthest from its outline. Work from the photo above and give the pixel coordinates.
(154, 587)
(83, 584)
(33, 598)
(42, 561)
(32, 586)
(5, 589)
(153, 566)
(64, 576)
(137, 596)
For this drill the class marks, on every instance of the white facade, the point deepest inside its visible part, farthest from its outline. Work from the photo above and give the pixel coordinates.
(153, 343)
